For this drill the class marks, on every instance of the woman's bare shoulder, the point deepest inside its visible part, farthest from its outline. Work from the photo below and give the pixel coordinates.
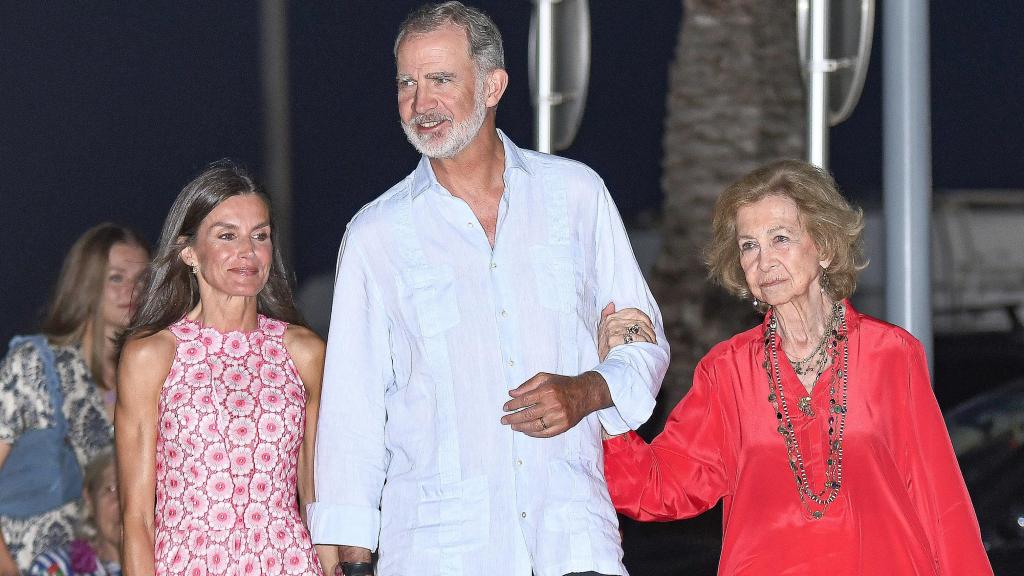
(153, 348)
(303, 343)
(146, 361)
(307, 350)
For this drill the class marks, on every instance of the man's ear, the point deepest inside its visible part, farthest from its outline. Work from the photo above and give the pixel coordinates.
(495, 85)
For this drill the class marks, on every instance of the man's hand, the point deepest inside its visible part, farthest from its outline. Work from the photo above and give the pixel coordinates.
(550, 404)
(332, 556)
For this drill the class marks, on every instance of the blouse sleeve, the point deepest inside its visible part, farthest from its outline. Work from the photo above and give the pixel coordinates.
(682, 473)
(21, 378)
(935, 483)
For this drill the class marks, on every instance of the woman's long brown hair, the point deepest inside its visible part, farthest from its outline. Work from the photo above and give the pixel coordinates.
(77, 298)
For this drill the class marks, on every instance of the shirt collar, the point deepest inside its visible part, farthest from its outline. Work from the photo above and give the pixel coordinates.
(423, 177)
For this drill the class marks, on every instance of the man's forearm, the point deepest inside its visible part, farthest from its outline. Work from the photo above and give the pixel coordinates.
(353, 554)
(597, 395)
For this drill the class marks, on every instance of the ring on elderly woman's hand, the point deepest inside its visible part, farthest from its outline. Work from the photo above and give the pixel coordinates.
(633, 329)
(627, 339)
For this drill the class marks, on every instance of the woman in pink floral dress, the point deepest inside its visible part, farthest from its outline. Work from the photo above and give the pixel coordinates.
(218, 391)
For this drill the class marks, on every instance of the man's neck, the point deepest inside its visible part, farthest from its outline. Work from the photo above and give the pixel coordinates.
(477, 171)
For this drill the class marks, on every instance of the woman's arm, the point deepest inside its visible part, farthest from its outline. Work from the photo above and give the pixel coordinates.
(143, 368)
(935, 483)
(307, 352)
(684, 471)
(16, 389)
(7, 564)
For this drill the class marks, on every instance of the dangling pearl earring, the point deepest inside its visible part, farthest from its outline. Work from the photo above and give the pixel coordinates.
(195, 269)
(756, 303)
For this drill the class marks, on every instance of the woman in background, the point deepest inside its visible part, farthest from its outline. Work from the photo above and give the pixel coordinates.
(91, 304)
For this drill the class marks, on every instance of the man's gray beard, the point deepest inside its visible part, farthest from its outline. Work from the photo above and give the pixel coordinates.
(459, 135)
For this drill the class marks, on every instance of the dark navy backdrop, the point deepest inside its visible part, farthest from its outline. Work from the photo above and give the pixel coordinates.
(107, 109)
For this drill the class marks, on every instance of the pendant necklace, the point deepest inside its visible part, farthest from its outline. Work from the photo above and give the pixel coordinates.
(820, 356)
(814, 502)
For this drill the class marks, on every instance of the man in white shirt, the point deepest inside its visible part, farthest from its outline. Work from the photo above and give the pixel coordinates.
(463, 398)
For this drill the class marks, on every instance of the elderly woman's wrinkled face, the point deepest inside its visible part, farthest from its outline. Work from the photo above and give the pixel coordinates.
(779, 258)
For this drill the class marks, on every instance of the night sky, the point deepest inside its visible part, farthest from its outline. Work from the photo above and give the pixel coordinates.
(108, 109)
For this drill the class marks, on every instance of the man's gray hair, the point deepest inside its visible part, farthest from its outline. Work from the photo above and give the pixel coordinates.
(485, 46)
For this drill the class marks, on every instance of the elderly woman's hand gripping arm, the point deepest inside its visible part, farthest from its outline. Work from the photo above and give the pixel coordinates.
(623, 327)
(545, 404)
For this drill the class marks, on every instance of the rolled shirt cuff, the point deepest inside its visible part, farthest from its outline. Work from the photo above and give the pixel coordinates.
(632, 399)
(343, 525)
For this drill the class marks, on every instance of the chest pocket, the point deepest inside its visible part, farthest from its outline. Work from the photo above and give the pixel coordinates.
(555, 275)
(434, 298)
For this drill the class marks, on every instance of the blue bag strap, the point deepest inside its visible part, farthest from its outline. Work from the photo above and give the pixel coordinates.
(50, 371)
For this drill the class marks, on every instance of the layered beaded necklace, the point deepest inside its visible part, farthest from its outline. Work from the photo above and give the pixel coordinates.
(814, 502)
(816, 360)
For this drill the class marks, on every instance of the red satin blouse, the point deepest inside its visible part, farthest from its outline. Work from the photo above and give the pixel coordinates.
(902, 507)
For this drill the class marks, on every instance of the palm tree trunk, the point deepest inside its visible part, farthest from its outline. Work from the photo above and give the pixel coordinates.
(736, 100)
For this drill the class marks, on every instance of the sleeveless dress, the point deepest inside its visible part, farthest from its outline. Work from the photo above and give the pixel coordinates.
(232, 416)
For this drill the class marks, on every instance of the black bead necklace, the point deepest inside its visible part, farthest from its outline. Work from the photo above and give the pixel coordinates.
(814, 502)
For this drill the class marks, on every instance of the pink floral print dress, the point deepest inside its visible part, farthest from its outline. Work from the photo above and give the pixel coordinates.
(232, 416)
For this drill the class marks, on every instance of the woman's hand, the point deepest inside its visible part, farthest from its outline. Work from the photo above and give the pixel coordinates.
(623, 327)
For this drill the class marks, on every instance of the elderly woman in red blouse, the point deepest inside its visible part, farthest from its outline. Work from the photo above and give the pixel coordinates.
(818, 429)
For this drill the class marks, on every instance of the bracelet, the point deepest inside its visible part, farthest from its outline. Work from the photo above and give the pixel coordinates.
(356, 569)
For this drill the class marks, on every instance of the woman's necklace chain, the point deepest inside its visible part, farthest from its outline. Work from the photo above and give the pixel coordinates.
(816, 360)
(814, 503)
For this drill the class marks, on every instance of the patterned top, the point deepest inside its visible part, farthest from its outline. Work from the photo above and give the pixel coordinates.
(232, 417)
(25, 405)
(78, 558)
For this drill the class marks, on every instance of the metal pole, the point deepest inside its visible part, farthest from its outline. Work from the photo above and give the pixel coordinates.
(545, 65)
(817, 85)
(907, 166)
(276, 133)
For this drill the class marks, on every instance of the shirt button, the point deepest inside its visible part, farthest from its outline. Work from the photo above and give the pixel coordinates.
(504, 313)
(511, 363)
(469, 224)
(519, 462)
(494, 265)
(523, 514)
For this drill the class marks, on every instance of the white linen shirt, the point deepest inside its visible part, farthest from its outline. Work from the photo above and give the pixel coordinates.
(430, 329)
